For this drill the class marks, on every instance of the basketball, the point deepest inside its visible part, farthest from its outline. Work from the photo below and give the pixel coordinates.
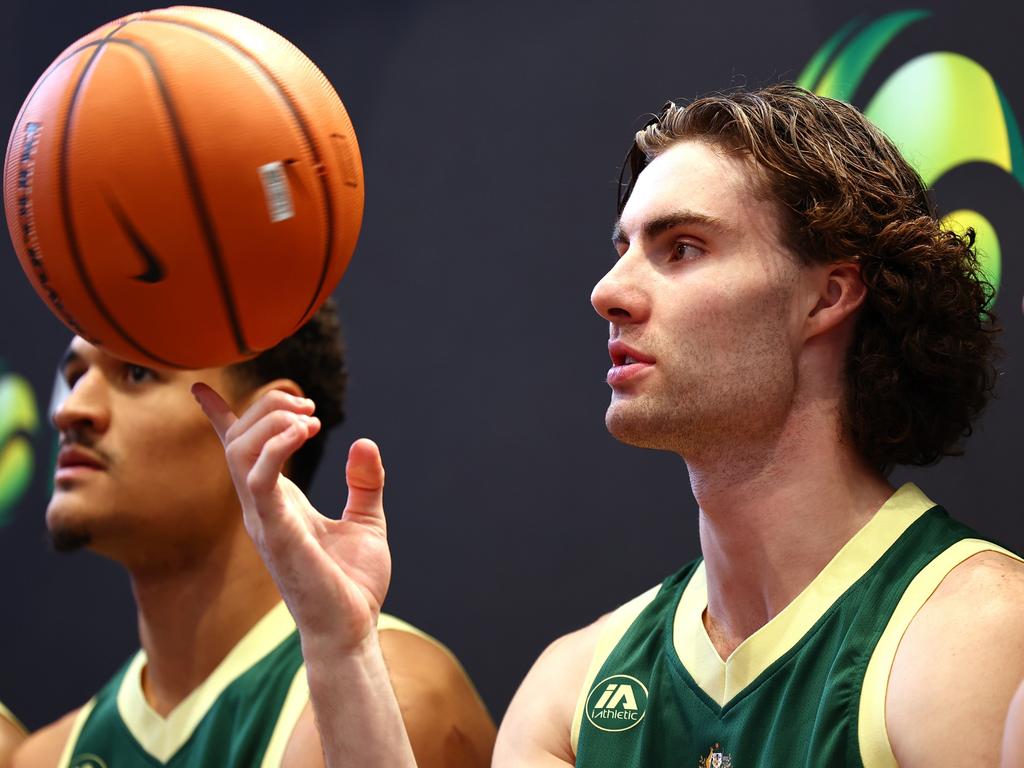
(183, 187)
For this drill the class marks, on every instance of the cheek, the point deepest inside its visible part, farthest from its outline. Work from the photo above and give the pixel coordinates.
(179, 454)
(741, 330)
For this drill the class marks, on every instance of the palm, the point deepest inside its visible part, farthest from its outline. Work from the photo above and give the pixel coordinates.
(333, 574)
(317, 561)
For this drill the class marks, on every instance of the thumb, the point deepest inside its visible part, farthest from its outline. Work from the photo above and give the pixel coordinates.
(364, 474)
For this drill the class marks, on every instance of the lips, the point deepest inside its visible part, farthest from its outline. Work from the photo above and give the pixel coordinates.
(627, 363)
(74, 456)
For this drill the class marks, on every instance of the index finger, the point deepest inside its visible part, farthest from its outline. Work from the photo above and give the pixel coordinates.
(217, 411)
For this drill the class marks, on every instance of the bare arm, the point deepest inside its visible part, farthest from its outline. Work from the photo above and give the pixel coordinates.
(957, 667)
(536, 731)
(44, 747)
(333, 574)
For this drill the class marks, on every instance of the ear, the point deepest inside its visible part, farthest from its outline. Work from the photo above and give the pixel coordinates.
(838, 292)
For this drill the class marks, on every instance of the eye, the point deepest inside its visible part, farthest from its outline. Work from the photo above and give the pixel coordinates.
(685, 251)
(136, 374)
(71, 376)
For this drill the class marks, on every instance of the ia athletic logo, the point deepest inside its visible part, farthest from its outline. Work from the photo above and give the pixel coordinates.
(617, 703)
(715, 758)
(88, 761)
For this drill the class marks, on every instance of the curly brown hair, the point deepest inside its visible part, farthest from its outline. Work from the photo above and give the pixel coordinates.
(920, 368)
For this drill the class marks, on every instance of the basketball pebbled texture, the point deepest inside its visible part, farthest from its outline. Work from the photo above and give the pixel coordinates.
(135, 199)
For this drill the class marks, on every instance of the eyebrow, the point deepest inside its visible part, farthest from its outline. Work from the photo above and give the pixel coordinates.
(657, 226)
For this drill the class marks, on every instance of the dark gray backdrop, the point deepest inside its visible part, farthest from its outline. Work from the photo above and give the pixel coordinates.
(491, 135)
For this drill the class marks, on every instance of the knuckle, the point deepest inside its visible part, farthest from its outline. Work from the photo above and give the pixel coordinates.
(233, 453)
(278, 421)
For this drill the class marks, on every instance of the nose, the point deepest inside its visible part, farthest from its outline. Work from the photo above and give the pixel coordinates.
(85, 407)
(620, 296)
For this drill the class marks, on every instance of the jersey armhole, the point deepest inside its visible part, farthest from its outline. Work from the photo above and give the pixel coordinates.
(872, 734)
(294, 703)
(76, 731)
(10, 717)
(611, 633)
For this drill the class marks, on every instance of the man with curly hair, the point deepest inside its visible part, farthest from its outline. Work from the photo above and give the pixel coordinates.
(787, 315)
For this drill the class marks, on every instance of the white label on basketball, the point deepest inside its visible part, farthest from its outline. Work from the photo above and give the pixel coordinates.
(279, 196)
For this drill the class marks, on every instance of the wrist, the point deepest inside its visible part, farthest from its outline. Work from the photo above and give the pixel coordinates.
(329, 655)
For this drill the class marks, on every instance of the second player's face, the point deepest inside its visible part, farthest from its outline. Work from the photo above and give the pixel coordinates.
(141, 475)
(704, 328)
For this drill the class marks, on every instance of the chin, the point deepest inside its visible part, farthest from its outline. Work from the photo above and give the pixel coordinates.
(67, 534)
(67, 520)
(631, 423)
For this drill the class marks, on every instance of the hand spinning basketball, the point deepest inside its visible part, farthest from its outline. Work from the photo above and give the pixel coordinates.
(183, 187)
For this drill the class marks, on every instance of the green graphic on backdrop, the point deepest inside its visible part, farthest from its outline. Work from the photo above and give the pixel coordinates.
(19, 419)
(942, 110)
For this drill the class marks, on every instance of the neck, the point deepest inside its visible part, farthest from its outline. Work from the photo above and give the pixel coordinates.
(191, 615)
(769, 524)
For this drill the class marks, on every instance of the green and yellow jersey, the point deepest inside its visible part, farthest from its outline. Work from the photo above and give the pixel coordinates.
(241, 716)
(807, 689)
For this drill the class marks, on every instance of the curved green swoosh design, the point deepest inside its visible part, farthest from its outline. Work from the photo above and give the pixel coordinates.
(985, 238)
(941, 109)
(18, 417)
(844, 74)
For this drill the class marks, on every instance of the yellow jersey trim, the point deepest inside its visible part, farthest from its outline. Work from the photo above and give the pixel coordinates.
(723, 680)
(7, 715)
(162, 737)
(69, 746)
(294, 704)
(615, 627)
(872, 734)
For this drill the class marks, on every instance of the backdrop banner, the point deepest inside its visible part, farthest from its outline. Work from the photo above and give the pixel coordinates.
(491, 136)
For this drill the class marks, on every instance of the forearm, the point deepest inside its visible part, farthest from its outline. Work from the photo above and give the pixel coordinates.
(357, 714)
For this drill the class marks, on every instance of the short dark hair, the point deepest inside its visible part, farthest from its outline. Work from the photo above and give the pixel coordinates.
(313, 357)
(921, 366)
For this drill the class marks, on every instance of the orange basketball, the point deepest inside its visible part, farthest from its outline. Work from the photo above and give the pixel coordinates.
(183, 187)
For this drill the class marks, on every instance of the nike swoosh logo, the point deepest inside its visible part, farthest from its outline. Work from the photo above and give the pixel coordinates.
(154, 271)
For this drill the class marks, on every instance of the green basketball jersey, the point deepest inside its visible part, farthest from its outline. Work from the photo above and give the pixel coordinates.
(241, 716)
(807, 689)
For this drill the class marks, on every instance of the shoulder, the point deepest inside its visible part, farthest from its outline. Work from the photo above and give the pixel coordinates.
(45, 746)
(12, 734)
(958, 664)
(539, 722)
(447, 722)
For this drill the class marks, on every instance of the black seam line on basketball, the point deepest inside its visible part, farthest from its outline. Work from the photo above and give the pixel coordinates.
(303, 127)
(196, 193)
(49, 71)
(65, 206)
(19, 120)
(155, 271)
